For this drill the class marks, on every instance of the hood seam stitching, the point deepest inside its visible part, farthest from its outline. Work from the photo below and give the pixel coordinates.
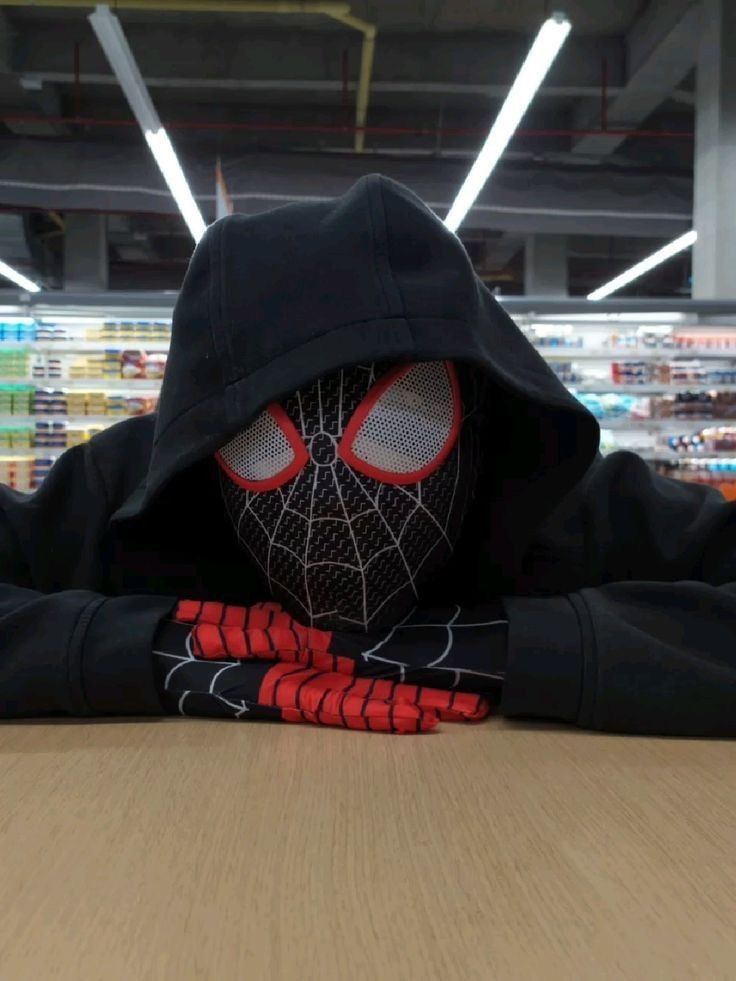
(215, 299)
(375, 251)
(387, 251)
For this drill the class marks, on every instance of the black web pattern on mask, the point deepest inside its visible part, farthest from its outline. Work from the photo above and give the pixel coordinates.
(338, 548)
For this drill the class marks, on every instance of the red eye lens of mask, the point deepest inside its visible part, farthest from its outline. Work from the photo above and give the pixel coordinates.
(407, 425)
(266, 455)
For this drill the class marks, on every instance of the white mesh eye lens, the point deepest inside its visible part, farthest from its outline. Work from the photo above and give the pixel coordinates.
(265, 455)
(407, 424)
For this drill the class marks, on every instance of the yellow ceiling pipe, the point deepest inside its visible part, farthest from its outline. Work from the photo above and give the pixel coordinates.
(366, 72)
(330, 8)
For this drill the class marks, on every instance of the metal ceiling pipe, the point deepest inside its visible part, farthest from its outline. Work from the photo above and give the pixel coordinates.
(335, 9)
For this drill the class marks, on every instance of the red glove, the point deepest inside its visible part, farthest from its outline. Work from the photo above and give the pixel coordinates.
(258, 663)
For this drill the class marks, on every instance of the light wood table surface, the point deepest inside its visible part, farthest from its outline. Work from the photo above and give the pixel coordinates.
(225, 850)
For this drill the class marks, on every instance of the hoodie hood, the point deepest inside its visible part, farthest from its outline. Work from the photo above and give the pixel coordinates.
(274, 300)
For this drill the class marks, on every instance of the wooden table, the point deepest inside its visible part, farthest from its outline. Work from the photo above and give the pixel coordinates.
(224, 850)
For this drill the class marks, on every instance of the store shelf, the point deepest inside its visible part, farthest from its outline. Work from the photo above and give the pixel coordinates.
(631, 354)
(661, 425)
(81, 347)
(606, 387)
(703, 458)
(663, 453)
(71, 420)
(152, 385)
(36, 452)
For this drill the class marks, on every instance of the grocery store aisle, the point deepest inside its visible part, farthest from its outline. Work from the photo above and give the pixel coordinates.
(186, 848)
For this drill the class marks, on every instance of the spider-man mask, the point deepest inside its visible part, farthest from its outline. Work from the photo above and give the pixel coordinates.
(351, 493)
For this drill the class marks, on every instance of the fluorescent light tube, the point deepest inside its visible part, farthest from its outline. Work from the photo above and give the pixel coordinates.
(18, 278)
(117, 50)
(168, 163)
(661, 255)
(542, 53)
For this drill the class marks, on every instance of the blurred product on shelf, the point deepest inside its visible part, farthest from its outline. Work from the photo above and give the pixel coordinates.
(720, 474)
(716, 439)
(39, 469)
(138, 364)
(691, 444)
(719, 341)
(132, 364)
(60, 434)
(130, 330)
(614, 406)
(155, 366)
(568, 372)
(642, 338)
(695, 405)
(632, 372)
(48, 401)
(22, 330)
(17, 472)
(45, 367)
(14, 362)
(693, 372)
(97, 330)
(110, 364)
(552, 337)
(16, 437)
(16, 399)
(667, 340)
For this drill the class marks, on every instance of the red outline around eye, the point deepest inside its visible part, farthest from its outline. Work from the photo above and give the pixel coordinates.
(345, 449)
(301, 456)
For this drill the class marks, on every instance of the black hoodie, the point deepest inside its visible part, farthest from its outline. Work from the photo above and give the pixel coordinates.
(619, 585)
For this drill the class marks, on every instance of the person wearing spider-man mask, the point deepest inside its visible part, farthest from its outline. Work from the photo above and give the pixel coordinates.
(366, 501)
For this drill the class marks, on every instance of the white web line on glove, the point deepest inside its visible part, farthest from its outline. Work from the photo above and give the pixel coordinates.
(370, 654)
(450, 640)
(435, 665)
(240, 708)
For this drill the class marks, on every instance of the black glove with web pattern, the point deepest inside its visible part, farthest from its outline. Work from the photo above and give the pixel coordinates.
(452, 649)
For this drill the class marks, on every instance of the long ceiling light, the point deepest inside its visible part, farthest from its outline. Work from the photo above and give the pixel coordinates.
(532, 73)
(113, 42)
(661, 255)
(18, 278)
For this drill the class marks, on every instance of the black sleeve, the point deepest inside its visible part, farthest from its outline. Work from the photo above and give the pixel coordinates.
(77, 653)
(649, 646)
(68, 651)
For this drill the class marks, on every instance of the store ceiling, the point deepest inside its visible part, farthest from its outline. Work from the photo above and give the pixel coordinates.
(238, 85)
(600, 17)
